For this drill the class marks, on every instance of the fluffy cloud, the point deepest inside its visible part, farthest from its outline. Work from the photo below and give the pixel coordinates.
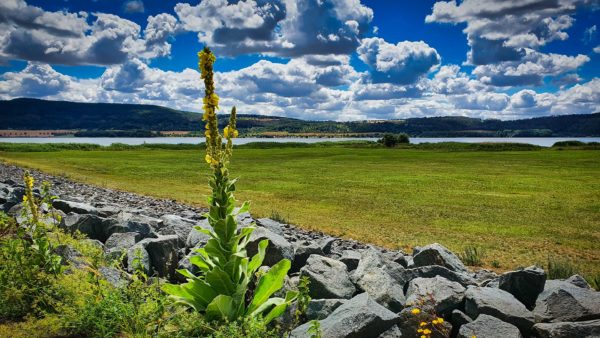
(133, 6)
(283, 28)
(499, 30)
(530, 70)
(449, 80)
(403, 63)
(37, 80)
(30, 33)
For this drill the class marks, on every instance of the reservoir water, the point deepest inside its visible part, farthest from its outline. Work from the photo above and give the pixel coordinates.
(105, 141)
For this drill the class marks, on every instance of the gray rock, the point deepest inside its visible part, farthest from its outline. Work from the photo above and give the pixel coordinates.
(458, 319)
(138, 253)
(196, 238)
(271, 225)
(436, 270)
(524, 284)
(359, 317)
(328, 278)
(483, 276)
(92, 226)
(176, 225)
(489, 327)
(278, 249)
(351, 259)
(440, 293)
(372, 258)
(163, 254)
(318, 309)
(94, 242)
(498, 303)
(327, 243)
(436, 254)
(13, 197)
(562, 301)
(70, 256)
(74, 207)
(301, 254)
(108, 210)
(577, 280)
(392, 332)
(381, 287)
(128, 222)
(122, 240)
(586, 329)
(115, 277)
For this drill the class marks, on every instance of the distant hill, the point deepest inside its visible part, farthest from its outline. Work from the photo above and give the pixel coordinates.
(98, 118)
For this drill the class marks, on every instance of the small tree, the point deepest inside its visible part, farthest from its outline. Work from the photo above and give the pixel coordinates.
(391, 140)
(221, 289)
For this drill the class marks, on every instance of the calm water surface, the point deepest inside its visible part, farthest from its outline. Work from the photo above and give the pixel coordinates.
(105, 141)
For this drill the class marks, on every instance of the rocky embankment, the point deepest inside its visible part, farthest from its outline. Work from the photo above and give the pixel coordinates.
(357, 290)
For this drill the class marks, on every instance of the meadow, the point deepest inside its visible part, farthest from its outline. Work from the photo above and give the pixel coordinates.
(520, 207)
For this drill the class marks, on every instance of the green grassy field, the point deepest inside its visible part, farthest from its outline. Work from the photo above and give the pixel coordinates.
(520, 206)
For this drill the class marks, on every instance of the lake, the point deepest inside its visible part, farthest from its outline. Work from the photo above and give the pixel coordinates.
(105, 141)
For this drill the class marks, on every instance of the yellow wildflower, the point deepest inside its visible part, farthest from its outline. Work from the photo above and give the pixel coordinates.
(415, 311)
(440, 320)
(423, 336)
(226, 132)
(235, 133)
(420, 330)
(427, 331)
(422, 324)
(208, 158)
(435, 321)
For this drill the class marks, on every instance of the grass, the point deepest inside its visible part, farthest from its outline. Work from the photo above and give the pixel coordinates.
(518, 206)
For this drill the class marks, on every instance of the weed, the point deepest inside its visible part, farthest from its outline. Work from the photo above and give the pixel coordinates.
(276, 216)
(472, 256)
(560, 268)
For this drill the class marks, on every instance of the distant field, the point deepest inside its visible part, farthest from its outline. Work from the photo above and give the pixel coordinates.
(520, 206)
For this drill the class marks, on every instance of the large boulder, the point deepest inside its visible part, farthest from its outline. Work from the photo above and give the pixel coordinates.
(500, 304)
(436, 254)
(128, 222)
(371, 258)
(562, 301)
(196, 238)
(525, 284)
(278, 249)
(138, 258)
(157, 255)
(488, 327)
(392, 332)
(302, 252)
(439, 293)
(436, 270)
(318, 309)
(177, 225)
(384, 289)
(586, 329)
(351, 258)
(122, 240)
(359, 317)
(92, 226)
(74, 207)
(328, 278)
(271, 225)
(578, 280)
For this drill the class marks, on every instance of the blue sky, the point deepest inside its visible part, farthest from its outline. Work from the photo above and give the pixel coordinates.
(311, 59)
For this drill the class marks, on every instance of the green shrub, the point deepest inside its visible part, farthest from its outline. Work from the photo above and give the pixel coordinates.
(570, 143)
(472, 256)
(559, 268)
(29, 264)
(391, 140)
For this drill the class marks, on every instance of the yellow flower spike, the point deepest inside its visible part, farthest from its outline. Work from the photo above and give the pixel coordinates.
(415, 311)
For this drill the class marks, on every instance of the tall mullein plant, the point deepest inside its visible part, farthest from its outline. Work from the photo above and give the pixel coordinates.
(221, 290)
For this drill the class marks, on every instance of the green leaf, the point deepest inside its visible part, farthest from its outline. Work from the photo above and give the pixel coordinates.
(269, 283)
(257, 260)
(222, 307)
(200, 262)
(244, 208)
(220, 281)
(195, 293)
(186, 273)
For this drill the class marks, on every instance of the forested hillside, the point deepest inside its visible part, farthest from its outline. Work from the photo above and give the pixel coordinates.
(98, 118)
